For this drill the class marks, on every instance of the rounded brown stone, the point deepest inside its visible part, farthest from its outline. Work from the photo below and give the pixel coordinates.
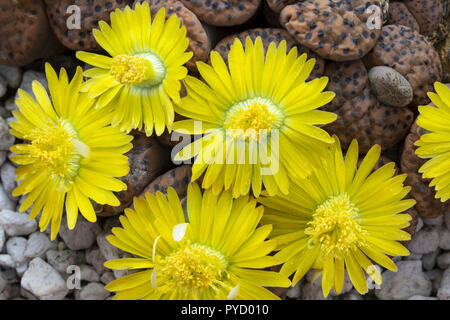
(336, 30)
(147, 159)
(428, 14)
(427, 205)
(267, 36)
(399, 14)
(390, 87)
(178, 179)
(223, 13)
(360, 115)
(409, 53)
(199, 42)
(25, 33)
(278, 5)
(92, 11)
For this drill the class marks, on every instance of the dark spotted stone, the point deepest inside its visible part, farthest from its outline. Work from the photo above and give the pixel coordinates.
(223, 13)
(427, 205)
(92, 11)
(360, 115)
(148, 159)
(428, 14)
(410, 54)
(269, 35)
(199, 42)
(399, 14)
(25, 33)
(336, 30)
(178, 179)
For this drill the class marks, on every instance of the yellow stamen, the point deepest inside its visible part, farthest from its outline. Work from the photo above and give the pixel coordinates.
(132, 70)
(247, 120)
(57, 149)
(334, 226)
(192, 267)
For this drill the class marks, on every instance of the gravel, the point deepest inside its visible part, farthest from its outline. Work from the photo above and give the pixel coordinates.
(15, 223)
(425, 241)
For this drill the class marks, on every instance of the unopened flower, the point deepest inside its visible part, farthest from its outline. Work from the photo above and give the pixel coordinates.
(212, 252)
(341, 218)
(138, 83)
(71, 154)
(435, 143)
(259, 118)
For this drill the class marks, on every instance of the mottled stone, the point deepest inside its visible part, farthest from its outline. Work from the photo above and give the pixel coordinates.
(390, 87)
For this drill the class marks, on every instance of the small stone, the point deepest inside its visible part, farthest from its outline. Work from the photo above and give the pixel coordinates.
(89, 274)
(447, 219)
(444, 290)
(421, 298)
(94, 291)
(12, 75)
(10, 104)
(15, 223)
(425, 241)
(6, 200)
(3, 155)
(15, 247)
(82, 236)
(8, 177)
(408, 281)
(110, 252)
(107, 277)
(436, 222)
(6, 261)
(429, 260)
(390, 87)
(435, 276)
(294, 292)
(6, 138)
(3, 86)
(444, 239)
(95, 258)
(353, 295)
(38, 244)
(43, 281)
(61, 260)
(2, 238)
(3, 283)
(420, 224)
(443, 261)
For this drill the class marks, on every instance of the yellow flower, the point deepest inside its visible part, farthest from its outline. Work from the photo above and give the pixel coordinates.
(71, 154)
(211, 252)
(341, 218)
(141, 78)
(259, 118)
(435, 144)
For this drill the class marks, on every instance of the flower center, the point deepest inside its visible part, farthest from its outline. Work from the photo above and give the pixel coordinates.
(58, 150)
(252, 118)
(334, 226)
(146, 70)
(193, 267)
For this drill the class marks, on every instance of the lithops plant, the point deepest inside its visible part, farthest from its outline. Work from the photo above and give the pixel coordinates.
(427, 205)
(428, 14)
(269, 35)
(199, 41)
(360, 115)
(409, 53)
(223, 13)
(336, 30)
(148, 159)
(177, 178)
(399, 14)
(390, 87)
(63, 19)
(25, 32)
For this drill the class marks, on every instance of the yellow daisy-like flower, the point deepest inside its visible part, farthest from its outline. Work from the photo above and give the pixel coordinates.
(71, 154)
(211, 252)
(435, 144)
(341, 219)
(141, 78)
(258, 116)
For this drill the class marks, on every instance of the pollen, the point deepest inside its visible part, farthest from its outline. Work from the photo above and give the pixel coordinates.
(132, 70)
(249, 120)
(334, 226)
(193, 267)
(58, 150)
